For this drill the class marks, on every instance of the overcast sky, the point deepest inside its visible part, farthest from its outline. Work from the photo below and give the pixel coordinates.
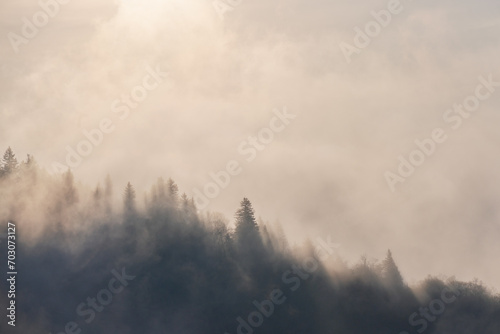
(324, 173)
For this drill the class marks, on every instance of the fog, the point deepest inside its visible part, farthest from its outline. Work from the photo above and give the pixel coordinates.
(84, 265)
(324, 173)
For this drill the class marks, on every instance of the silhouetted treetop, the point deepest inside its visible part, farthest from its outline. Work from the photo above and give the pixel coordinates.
(245, 218)
(173, 190)
(129, 199)
(9, 162)
(193, 274)
(247, 230)
(390, 270)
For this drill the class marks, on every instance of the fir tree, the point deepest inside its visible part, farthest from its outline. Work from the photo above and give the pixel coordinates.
(173, 190)
(173, 193)
(108, 194)
(129, 199)
(9, 163)
(246, 226)
(390, 271)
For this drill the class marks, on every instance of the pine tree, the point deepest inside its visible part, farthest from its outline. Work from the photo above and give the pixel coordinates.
(390, 271)
(188, 209)
(184, 201)
(129, 199)
(173, 192)
(219, 231)
(9, 163)
(246, 226)
(108, 194)
(173, 189)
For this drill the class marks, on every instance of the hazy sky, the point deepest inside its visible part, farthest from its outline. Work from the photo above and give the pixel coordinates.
(324, 173)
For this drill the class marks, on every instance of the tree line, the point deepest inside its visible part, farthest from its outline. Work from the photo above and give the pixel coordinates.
(199, 272)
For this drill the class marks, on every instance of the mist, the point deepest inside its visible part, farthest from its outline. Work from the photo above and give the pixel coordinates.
(373, 122)
(87, 265)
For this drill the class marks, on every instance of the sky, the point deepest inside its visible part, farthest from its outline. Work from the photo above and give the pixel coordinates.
(218, 74)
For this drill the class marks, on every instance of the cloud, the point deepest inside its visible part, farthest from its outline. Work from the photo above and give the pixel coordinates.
(227, 77)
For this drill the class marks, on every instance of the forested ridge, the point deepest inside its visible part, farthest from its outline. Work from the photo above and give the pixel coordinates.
(173, 269)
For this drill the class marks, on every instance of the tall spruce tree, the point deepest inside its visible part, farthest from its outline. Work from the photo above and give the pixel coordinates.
(129, 199)
(9, 163)
(391, 272)
(108, 194)
(246, 226)
(173, 191)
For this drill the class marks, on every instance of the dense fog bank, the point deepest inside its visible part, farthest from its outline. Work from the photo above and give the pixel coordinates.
(154, 264)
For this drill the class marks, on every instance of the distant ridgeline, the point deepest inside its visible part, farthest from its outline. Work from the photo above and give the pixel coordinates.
(87, 265)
